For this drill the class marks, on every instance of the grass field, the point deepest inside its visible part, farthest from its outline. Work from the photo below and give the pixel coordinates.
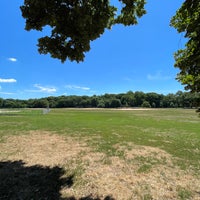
(104, 154)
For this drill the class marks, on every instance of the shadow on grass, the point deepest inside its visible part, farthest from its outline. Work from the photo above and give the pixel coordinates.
(21, 182)
(18, 181)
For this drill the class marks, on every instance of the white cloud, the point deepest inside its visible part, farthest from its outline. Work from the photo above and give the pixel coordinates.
(75, 87)
(12, 59)
(8, 93)
(10, 80)
(44, 89)
(158, 77)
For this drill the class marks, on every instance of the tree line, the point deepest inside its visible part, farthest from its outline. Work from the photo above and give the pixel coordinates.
(129, 99)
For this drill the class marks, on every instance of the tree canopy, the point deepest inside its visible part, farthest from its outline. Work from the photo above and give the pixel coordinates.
(75, 23)
(187, 20)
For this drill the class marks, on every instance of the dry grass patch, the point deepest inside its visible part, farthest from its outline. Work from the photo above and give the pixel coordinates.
(120, 177)
(42, 148)
(97, 175)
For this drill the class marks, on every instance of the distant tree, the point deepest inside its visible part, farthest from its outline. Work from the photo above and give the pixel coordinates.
(94, 101)
(154, 99)
(85, 102)
(66, 102)
(128, 99)
(20, 103)
(196, 100)
(187, 20)
(146, 104)
(139, 98)
(107, 103)
(187, 99)
(30, 103)
(101, 104)
(9, 103)
(115, 103)
(52, 101)
(153, 105)
(1, 102)
(60, 103)
(40, 103)
(179, 98)
(169, 101)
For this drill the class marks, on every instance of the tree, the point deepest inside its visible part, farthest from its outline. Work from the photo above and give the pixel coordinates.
(128, 99)
(154, 99)
(169, 101)
(1, 102)
(187, 20)
(94, 101)
(101, 104)
(115, 103)
(139, 98)
(40, 103)
(85, 102)
(9, 103)
(75, 23)
(146, 104)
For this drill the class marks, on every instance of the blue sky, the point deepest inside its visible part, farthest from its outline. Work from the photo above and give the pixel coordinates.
(137, 58)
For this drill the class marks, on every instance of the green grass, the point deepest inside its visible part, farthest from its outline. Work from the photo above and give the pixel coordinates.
(176, 131)
(184, 194)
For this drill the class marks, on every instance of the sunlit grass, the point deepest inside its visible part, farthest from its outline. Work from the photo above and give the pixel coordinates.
(176, 131)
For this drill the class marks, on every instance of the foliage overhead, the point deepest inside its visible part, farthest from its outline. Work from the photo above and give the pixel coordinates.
(75, 23)
(187, 20)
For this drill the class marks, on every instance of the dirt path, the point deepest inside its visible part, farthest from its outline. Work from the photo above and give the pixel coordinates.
(143, 173)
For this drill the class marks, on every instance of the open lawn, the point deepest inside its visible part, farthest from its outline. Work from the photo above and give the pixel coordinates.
(80, 154)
